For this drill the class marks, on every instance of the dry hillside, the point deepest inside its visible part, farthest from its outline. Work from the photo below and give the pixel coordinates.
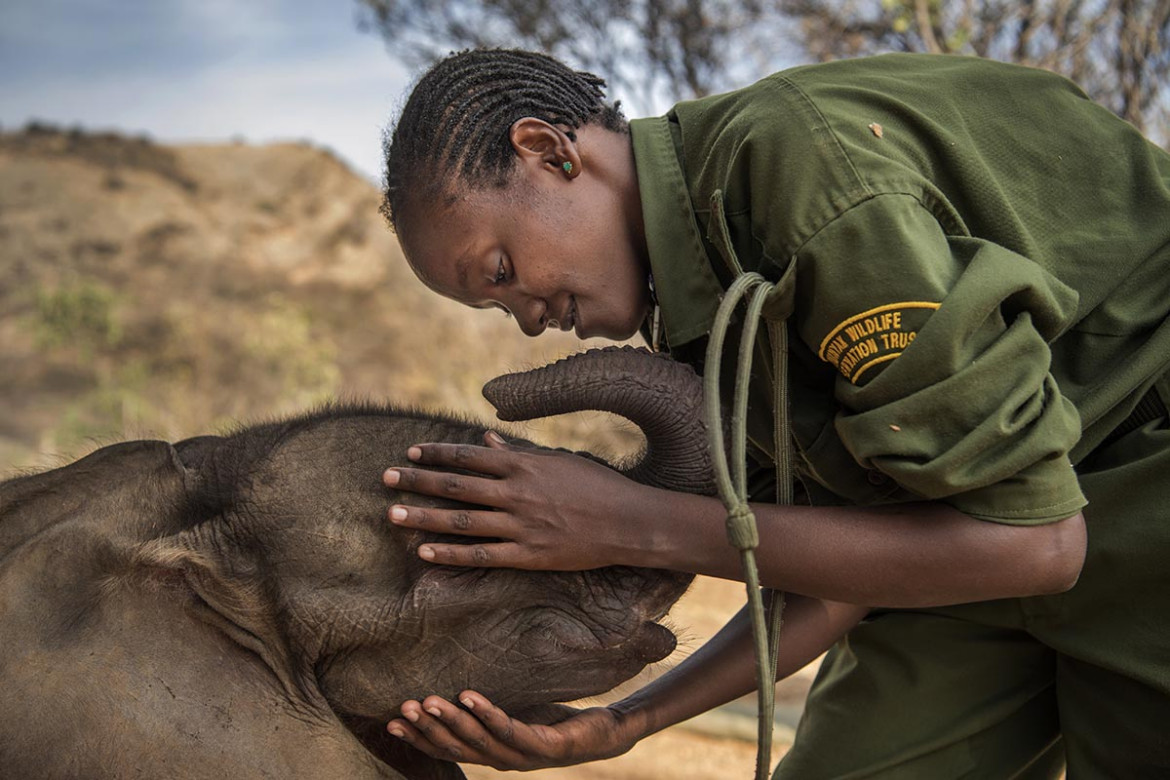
(155, 291)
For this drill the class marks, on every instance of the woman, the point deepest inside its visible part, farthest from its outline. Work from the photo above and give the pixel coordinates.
(978, 260)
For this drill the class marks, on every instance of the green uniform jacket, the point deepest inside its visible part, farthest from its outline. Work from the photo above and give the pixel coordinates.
(982, 270)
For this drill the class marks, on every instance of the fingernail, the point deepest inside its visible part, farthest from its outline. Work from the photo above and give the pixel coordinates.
(468, 702)
(391, 477)
(435, 711)
(414, 453)
(497, 438)
(411, 715)
(396, 732)
(426, 553)
(398, 513)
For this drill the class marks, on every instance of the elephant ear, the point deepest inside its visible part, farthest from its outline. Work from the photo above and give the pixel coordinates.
(125, 491)
(399, 756)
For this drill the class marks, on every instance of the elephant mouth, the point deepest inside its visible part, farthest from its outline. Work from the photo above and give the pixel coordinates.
(652, 642)
(565, 660)
(613, 616)
(571, 633)
(559, 636)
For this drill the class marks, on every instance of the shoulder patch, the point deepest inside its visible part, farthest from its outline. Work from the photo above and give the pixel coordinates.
(873, 337)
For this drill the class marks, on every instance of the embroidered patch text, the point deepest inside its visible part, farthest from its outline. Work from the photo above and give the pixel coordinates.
(873, 337)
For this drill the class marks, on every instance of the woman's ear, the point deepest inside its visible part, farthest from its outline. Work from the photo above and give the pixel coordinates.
(544, 147)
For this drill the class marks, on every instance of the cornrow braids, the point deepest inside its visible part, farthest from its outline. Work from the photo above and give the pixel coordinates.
(455, 126)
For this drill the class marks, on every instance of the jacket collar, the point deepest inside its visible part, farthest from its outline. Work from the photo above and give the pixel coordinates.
(687, 289)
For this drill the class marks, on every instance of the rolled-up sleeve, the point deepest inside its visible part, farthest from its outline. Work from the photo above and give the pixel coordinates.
(940, 343)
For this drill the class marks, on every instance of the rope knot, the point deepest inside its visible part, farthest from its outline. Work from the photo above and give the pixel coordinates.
(741, 528)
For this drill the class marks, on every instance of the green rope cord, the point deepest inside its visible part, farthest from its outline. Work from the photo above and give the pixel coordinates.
(782, 436)
(742, 531)
(742, 381)
(775, 606)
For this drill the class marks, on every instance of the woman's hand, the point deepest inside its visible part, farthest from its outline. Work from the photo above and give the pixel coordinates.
(549, 510)
(481, 733)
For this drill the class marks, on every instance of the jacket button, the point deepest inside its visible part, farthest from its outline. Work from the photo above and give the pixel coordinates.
(875, 477)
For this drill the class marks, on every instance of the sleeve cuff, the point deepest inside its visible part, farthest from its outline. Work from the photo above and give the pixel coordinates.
(1046, 492)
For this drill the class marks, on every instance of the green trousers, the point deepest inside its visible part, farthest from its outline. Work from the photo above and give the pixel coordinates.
(1018, 687)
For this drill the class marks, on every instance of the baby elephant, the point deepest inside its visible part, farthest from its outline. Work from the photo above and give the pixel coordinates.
(239, 606)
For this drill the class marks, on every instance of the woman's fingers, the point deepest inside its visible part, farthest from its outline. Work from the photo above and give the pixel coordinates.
(494, 459)
(460, 520)
(465, 522)
(467, 727)
(494, 555)
(444, 484)
(441, 730)
(427, 733)
(497, 722)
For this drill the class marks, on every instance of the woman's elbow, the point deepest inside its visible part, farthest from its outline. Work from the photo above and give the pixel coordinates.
(1060, 555)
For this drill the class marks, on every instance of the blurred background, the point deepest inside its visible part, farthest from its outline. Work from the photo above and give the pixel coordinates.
(188, 188)
(189, 235)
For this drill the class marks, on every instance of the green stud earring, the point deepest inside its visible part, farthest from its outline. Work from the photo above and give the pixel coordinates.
(568, 166)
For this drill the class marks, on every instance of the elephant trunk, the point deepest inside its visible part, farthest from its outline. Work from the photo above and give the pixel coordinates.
(661, 396)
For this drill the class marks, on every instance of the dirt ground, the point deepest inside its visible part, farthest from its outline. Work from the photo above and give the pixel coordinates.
(677, 753)
(715, 746)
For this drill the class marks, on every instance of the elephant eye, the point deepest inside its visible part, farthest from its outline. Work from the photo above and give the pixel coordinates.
(501, 273)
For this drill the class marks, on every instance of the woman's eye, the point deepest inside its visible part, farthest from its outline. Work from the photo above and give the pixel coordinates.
(501, 273)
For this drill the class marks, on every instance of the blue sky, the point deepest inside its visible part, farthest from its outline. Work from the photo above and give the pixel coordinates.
(202, 70)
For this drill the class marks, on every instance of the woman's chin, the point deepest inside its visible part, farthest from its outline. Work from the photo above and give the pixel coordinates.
(611, 329)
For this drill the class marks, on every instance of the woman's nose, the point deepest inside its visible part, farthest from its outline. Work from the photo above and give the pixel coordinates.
(534, 320)
(532, 326)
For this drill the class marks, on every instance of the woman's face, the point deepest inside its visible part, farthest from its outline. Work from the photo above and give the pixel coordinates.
(553, 249)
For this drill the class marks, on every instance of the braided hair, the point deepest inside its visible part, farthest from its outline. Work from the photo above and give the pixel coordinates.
(455, 125)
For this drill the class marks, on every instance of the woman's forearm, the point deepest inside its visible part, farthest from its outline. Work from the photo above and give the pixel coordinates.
(724, 668)
(904, 555)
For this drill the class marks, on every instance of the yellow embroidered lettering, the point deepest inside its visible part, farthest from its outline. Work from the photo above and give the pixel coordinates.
(896, 340)
(873, 337)
(847, 363)
(836, 347)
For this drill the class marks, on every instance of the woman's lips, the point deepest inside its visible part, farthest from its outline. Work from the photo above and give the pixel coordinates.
(568, 321)
(574, 317)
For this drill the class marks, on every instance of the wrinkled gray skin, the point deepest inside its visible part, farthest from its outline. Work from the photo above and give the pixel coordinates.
(239, 607)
